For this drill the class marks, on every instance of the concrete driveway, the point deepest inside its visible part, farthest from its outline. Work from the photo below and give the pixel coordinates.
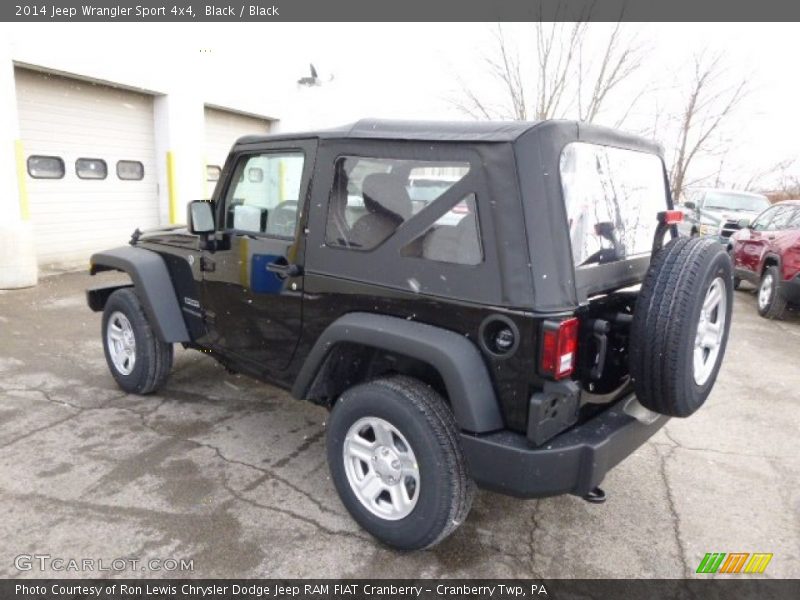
(231, 474)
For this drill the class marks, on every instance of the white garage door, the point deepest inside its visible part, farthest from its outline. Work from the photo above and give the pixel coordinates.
(91, 164)
(223, 128)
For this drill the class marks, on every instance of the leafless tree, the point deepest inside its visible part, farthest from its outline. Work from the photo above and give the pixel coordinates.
(571, 74)
(708, 103)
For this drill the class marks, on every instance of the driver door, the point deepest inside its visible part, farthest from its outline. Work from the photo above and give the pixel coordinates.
(253, 283)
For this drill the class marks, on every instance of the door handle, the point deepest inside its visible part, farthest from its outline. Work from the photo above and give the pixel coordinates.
(284, 270)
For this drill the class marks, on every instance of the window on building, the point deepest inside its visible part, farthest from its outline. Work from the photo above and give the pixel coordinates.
(372, 197)
(453, 238)
(91, 168)
(46, 167)
(267, 204)
(213, 173)
(255, 174)
(130, 170)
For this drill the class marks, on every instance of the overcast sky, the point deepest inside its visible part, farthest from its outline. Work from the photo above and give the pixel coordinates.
(413, 70)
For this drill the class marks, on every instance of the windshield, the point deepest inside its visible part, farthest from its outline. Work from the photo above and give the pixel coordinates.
(612, 197)
(734, 201)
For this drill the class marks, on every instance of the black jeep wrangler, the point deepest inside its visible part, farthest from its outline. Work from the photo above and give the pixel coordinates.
(477, 303)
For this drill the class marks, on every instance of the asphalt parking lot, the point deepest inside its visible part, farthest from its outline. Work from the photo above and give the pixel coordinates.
(231, 473)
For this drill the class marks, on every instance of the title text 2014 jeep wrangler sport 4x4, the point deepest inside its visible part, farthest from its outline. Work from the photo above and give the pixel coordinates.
(477, 303)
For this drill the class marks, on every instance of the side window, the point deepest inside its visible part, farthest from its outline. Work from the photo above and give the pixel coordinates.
(265, 195)
(372, 197)
(794, 223)
(45, 167)
(761, 222)
(453, 238)
(91, 168)
(781, 219)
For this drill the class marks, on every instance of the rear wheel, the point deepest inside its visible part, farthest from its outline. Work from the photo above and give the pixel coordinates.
(396, 461)
(771, 303)
(680, 326)
(138, 360)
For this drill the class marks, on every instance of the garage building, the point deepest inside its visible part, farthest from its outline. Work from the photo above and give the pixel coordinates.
(96, 159)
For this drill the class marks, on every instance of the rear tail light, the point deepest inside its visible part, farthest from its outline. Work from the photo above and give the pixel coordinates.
(559, 347)
(671, 217)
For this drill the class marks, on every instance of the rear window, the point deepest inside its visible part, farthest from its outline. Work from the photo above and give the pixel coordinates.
(612, 197)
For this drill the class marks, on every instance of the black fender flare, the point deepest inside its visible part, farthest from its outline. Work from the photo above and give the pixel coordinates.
(153, 285)
(770, 257)
(457, 360)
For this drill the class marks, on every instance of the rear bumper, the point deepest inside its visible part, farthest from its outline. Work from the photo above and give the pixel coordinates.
(574, 462)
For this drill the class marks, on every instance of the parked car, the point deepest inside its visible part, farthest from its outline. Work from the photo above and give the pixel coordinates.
(766, 253)
(716, 213)
(493, 335)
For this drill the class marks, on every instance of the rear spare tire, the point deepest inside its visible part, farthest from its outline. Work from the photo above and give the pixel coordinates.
(680, 326)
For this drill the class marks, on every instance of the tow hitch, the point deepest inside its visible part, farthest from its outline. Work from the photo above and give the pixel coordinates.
(596, 496)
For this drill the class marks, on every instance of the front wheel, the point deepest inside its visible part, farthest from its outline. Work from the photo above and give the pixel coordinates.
(771, 303)
(138, 360)
(396, 462)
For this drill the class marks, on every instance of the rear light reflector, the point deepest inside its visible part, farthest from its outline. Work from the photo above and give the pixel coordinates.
(559, 347)
(671, 217)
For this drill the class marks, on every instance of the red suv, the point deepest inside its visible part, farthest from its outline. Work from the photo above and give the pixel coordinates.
(766, 252)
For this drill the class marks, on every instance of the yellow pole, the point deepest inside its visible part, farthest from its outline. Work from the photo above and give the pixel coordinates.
(24, 207)
(172, 187)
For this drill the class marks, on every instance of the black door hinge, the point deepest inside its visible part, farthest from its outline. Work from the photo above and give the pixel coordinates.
(207, 265)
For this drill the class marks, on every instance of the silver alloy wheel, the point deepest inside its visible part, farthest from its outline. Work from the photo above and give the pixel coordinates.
(710, 331)
(121, 343)
(765, 291)
(381, 468)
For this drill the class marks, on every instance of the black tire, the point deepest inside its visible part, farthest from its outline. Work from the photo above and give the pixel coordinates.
(774, 305)
(445, 492)
(665, 325)
(153, 358)
(737, 281)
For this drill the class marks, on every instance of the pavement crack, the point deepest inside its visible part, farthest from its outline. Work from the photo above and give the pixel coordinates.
(532, 538)
(267, 473)
(33, 432)
(292, 515)
(714, 451)
(673, 510)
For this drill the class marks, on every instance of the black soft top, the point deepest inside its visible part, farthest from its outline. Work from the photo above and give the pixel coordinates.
(390, 129)
(521, 198)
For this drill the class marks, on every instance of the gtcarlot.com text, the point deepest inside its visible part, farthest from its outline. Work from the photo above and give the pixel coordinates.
(46, 562)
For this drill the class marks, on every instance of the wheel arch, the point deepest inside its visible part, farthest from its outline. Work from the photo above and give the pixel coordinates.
(152, 283)
(452, 357)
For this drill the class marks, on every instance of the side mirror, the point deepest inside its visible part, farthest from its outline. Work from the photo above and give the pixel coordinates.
(744, 223)
(690, 204)
(200, 217)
